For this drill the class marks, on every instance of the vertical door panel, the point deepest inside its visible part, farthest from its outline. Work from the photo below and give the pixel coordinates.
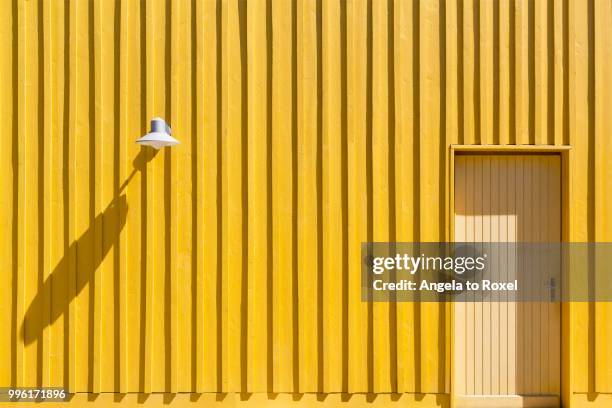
(508, 351)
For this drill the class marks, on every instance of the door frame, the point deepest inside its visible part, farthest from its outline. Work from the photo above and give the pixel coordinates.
(564, 153)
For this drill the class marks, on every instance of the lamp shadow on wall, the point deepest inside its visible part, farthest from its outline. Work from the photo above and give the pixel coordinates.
(104, 232)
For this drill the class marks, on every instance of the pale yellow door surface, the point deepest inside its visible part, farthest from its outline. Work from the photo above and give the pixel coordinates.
(507, 354)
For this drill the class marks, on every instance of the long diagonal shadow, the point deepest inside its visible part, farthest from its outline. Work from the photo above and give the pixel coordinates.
(33, 323)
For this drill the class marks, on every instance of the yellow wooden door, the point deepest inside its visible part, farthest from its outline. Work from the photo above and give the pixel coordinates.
(507, 354)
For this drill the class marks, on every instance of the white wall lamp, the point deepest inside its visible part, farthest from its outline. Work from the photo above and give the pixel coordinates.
(159, 136)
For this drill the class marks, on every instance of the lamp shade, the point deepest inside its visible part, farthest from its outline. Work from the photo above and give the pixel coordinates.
(160, 135)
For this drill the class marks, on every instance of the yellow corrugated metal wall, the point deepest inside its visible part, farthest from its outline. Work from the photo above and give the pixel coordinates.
(231, 262)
